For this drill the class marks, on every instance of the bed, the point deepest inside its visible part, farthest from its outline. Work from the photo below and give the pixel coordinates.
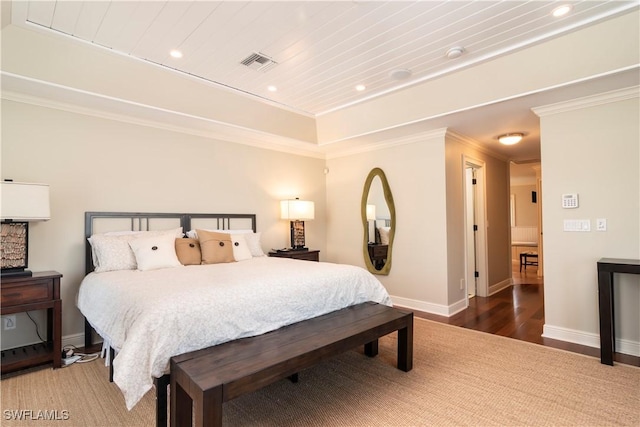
(149, 316)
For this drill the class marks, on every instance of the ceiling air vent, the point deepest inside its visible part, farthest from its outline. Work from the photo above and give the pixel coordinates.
(259, 62)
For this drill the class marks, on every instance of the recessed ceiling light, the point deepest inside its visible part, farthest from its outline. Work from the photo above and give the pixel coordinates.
(360, 88)
(510, 138)
(176, 53)
(561, 10)
(455, 52)
(272, 88)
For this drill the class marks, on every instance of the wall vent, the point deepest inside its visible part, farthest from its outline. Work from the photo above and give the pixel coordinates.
(259, 62)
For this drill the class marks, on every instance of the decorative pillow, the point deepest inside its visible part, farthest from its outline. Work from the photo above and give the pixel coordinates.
(155, 252)
(111, 251)
(384, 235)
(188, 251)
(216, 248)
(252, 239)
(241, 250)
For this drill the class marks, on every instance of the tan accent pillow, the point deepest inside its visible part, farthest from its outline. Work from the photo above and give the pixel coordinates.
(188, 251)
(216, 248)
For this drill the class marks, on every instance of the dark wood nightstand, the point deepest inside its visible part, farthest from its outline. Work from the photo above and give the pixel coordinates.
(378, 254)
(37, 292)
(310, 255)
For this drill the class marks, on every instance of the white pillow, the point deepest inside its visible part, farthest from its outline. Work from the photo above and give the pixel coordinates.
(241, 250)
(252, 239)
(111, 251)
(384, 235)
(155, 252)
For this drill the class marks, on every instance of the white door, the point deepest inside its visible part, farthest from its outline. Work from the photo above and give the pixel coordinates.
(470, 225)
(476, 262)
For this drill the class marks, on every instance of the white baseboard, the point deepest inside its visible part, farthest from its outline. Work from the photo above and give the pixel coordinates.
(420, 305)
(428, 307)
(75, 340)
(588, 339)
(497, 287)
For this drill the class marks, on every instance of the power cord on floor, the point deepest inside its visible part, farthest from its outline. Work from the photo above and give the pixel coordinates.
(70, 355)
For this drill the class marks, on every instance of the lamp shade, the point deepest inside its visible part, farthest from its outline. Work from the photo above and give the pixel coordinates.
(297, 210)
(371, 212)
(23, 201)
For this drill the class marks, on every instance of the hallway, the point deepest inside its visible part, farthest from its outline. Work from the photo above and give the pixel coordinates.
(517, 312)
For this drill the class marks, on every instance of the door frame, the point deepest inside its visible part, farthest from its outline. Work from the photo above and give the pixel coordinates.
(481, 252)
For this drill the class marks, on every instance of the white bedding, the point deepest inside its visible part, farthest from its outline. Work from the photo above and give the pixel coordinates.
(150, 316)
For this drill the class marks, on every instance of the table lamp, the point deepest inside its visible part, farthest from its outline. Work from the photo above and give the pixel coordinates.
(297, 211)
(21, 203)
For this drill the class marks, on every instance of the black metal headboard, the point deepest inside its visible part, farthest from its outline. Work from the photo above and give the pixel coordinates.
(144, 221)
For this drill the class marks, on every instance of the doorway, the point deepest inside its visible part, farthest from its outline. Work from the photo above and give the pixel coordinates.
(475, 229)
(526, 219)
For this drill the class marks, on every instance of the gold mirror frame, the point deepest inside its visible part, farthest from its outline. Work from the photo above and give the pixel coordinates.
(388, 197)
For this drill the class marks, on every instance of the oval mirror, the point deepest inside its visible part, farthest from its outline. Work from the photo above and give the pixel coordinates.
(378, 221)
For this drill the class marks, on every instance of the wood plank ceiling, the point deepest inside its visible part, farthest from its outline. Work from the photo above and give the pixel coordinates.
(323, 49)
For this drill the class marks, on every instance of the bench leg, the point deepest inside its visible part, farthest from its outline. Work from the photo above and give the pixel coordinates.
(371, 348)
(181, 405)
(161, 400)
(405, 347)
(208, 408)
(293, 378)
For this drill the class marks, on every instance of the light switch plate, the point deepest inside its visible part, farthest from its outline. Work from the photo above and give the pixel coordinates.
(577, 225)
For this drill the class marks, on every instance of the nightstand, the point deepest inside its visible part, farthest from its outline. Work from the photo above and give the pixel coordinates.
(310, 255)
(378, 254)
(26, 293)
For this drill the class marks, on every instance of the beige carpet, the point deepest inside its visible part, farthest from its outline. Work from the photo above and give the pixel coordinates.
(460, 377)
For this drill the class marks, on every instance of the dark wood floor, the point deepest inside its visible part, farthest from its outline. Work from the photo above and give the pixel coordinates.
(516, 312)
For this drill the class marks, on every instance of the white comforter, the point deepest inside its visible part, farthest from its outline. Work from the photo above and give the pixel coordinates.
(150, 316)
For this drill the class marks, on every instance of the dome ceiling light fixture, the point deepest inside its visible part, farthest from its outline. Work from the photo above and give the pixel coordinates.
(455, 52)
(400, 74)
(510, 138)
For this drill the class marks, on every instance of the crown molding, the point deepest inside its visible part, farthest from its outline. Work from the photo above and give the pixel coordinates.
(472, 143)
(437, 134)
(45, 94)
(588, 101)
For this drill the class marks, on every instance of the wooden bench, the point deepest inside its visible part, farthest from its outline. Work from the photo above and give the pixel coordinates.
(201, 381)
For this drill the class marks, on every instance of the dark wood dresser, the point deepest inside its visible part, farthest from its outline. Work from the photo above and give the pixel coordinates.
(41, 291)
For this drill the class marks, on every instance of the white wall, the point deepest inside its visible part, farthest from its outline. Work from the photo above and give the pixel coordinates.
(425, 177)
(526, 210)
(94, 164)
(416, 175)
(591, 149)
(496, 211)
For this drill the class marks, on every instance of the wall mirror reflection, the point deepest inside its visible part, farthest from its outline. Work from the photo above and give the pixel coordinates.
(378, 220)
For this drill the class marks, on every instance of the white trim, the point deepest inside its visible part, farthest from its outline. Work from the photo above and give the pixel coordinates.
(427, 307)
(472, 143)
(589, 339)
(482, 249)
(45, 94)
(497, 287)
(438, 134)
(588, 101)
(75, 340)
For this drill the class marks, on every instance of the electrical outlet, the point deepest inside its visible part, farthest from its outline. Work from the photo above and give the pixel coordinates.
(9, 322)
(462, 284)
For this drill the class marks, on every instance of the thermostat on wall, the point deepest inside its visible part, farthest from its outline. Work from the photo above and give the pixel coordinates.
(570, 201)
